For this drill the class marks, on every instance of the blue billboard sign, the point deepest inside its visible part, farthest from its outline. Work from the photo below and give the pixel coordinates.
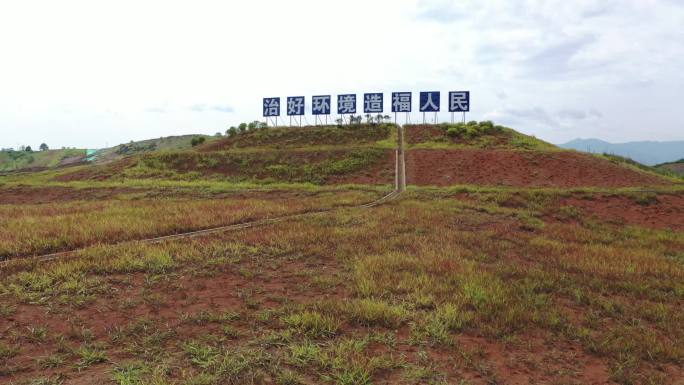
(401, 102)
(271, 107)
(346, 104)
(320, 105)
(295, 105)
(459, 101)
(429, 101)
(373, 103)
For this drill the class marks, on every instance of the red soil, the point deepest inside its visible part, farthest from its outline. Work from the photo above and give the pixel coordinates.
(540, 360)
(97, 172)
(423, 133)
(664, 211)
(519, 168)
(27, 195)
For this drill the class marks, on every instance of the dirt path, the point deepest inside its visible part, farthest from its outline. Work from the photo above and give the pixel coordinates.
(400, 186)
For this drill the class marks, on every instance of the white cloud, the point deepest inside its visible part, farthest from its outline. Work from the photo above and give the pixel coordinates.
(78, 73)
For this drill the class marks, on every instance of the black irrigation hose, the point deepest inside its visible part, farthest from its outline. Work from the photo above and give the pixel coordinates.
(399, 188)
(192, 234)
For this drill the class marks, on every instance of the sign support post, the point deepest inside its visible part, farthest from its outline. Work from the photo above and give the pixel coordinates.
(374, 103)
(401, 102)
(320, 105)
(346, 105)
(271, 109)
(429, 102)
(296, 108)
(459, 101)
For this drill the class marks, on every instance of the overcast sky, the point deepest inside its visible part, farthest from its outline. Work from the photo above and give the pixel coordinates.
(96, 73)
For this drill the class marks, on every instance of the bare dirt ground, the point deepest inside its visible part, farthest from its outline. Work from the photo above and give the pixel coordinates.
(519, 168)
(657, 212)
(28, 195)
(141, 315)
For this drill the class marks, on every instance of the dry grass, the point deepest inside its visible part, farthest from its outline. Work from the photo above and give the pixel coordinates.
(432, 288)
(42, 228)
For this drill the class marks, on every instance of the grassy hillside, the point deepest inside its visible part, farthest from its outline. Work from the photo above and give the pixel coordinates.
(676, 168)
(315, 154)
(18, 160)
(506, 260)
(311, 136)
(169, 143)
(482, 135)
(437, 287)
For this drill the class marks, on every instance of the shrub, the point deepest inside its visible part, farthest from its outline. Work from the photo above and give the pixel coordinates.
(487, 125)
(454, 132)
(197, 141)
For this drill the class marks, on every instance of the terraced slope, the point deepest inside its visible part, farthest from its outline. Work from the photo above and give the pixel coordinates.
(485, 154)
(316, 154)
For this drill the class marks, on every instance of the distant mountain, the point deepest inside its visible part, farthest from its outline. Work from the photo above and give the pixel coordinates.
(649, 153)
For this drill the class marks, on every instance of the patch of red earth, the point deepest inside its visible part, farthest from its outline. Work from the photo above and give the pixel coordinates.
(224, 291)
(423, 133)
(519, 168)
(28, 195)
(665, 211)
(97, 171)
(536, 359)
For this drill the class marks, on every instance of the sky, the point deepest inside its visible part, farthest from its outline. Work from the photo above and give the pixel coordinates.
(92, 74)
